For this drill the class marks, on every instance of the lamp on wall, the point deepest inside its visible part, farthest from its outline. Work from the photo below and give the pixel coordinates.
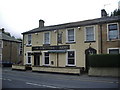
(89, 45)
(36, 33)
(55, 31)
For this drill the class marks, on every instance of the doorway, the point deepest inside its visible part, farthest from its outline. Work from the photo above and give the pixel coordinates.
(36, 59)
(89, 51)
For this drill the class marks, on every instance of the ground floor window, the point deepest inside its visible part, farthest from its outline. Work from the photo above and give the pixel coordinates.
(71, 58)
(29, 58)
(46, 58)
(113, 50)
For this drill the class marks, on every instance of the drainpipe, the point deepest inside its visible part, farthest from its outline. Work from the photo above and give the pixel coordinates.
(10, 51)
(101, 38)
(57, 45)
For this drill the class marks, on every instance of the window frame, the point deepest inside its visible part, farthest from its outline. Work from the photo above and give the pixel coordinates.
(85, 38)
(73, 34)
(108, 50)
(29, 44)
(108, 39)
(44, 38)
(67, 64)
(44, 58)
(27, 58)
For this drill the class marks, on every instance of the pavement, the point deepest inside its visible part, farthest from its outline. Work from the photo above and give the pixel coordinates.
(28, 79)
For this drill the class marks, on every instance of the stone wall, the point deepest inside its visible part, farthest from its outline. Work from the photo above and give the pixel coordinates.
(103, 71)
(57, 70)
(18, 67)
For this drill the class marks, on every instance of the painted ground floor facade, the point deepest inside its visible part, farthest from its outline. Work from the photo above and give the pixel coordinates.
(67, 56)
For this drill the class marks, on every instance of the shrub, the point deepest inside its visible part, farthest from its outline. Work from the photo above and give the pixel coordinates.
(104, 60)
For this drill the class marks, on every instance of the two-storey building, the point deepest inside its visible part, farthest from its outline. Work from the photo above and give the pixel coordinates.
(10, 49)
(68, 45)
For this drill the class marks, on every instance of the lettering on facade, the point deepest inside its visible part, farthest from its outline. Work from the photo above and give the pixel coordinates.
(60, 47)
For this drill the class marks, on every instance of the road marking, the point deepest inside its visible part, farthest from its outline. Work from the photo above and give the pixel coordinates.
(5, 79)
(48, 86)
(8, 79)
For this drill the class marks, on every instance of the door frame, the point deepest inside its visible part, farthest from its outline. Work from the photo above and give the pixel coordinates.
(89, 51)
(38, 55)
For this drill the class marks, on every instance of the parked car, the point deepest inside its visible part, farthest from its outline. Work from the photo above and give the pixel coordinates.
(6, 64)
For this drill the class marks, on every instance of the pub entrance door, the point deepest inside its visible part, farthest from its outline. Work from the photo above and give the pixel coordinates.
(37, 59)
(89, 51)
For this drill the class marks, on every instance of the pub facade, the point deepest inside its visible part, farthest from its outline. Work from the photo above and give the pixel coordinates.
(67, 45)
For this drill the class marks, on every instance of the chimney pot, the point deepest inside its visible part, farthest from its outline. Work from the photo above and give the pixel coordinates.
(103, 13)
(41, 23)
(2, 29)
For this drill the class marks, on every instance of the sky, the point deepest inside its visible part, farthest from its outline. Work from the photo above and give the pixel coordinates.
(18, 16)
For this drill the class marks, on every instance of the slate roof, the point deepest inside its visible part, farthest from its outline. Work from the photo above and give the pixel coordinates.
(75, 24)
(8, 38)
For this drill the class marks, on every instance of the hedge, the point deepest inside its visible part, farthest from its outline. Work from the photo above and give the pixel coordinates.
(104, 60)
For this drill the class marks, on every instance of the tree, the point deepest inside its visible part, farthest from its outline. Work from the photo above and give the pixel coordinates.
(116, 12)
(19, 39)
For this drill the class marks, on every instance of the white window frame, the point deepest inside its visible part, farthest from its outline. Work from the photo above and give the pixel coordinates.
(44, 38)
(44, 58)
(67, 58)
(85, 39)
(112, 49)
(108, 32)
(27, 58)
(28, 39)
(67, 35)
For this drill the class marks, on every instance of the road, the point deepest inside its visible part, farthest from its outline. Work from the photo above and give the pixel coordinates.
(28, 79)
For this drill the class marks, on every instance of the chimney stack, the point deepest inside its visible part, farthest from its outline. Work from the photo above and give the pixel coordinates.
(103, 13)
(41, 23)
(2, 30)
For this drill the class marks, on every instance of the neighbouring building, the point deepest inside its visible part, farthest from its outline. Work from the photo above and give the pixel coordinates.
(10, 48)
(65, 46)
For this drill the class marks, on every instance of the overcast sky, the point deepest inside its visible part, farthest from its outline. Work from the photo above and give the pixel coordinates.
(18, 16)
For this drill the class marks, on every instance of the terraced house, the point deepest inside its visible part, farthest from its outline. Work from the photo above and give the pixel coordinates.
(64, 48)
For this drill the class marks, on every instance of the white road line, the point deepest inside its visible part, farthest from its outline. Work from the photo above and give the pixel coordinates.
(48, 86)
(8, 79)
(5, 79)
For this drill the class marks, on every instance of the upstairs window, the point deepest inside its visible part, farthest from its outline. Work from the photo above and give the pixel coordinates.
(113, 31)
(47, 38)
(90, 33)
(29, 39)
(70, 35)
